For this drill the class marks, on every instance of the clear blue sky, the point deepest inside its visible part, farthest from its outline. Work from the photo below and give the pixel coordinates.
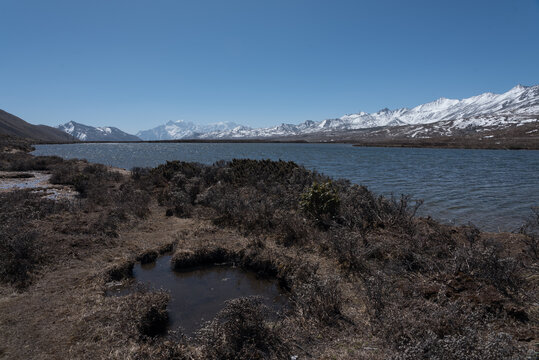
(137, 64)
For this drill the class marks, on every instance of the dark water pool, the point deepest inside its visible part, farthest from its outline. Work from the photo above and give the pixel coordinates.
(197, 295)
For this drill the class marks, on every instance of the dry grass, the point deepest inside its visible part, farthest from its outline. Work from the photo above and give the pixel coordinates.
(242, 330)
(369, 281)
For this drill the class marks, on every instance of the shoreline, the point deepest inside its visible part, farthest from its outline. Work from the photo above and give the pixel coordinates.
(379, 144)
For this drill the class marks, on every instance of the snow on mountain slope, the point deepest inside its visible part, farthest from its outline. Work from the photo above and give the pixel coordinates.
(518, 104)
(181, 129)
(90, 133)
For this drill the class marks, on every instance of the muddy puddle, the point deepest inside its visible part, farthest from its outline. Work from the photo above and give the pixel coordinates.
(22, 180)
(38, 182)
(197, 295)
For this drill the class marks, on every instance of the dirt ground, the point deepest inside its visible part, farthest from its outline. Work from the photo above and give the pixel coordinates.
(65, 313)
(43, 321)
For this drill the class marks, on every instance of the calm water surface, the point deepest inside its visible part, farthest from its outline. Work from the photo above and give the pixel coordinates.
(494, 189)
(198, 295)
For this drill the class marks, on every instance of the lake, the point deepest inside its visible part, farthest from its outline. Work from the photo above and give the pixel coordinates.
(494, 189)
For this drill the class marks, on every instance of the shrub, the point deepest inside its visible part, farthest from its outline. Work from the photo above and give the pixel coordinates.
(484, 261)
(120, 271)
(20, 250)
(319, 298)
(138, 173)
(349, 249)
(321, 201)
(241, 331)
(10, 143)
(131, 200)
(142, 314)
(530, 231)
(154, 320)
(27, 162)
(91, 181)
(20, 253)
(171, 168)
(359, 209)
(293, 229)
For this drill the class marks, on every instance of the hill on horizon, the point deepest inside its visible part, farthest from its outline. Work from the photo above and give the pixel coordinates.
(12, 125)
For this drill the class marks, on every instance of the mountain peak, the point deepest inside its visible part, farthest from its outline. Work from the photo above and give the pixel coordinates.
(90, 133)
(519, 87)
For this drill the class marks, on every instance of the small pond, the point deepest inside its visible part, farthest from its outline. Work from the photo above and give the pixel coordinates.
(197, 295)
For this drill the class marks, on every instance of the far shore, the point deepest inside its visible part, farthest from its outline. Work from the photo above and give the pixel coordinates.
(435, 143)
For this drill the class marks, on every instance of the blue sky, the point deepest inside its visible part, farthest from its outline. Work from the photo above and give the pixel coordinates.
(137, 64)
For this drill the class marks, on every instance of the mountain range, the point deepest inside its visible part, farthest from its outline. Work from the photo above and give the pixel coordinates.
(181, 129)
(517, 106)
(440, 118)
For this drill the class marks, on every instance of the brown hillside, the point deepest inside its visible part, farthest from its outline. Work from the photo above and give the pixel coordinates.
(15, 126)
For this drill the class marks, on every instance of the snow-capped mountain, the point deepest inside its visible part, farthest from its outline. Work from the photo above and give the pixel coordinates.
(181, 129)
(518, 105)
(90, 133)
(442, 117)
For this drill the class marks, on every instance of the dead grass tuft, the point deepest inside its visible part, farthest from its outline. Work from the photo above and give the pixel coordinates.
(242, 331)
(121, 271)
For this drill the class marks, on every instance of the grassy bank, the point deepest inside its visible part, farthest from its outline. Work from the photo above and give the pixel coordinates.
(367, 279)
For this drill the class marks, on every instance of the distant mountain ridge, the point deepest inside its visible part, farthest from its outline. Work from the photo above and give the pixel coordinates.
(181, 129)
(520, 104)
(91, 133)
(442, 117)
(12, 125)
(517, 106)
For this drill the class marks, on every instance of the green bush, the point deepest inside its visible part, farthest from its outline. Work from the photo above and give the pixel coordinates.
(321, 201)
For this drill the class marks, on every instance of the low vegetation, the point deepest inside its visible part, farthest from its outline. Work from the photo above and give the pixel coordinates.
(426, 286)
(242, 331)
(366, 277)
(19, 243)
(12, 144)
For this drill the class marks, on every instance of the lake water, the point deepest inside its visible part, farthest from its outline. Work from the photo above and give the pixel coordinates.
(494, 189)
